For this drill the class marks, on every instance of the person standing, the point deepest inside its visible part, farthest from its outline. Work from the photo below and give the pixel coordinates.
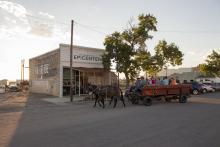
(138, 85)
(173, 81)
(153, 81)
(143, 82)
(165, 81)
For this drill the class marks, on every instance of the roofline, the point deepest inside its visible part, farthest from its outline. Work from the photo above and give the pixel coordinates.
(66, 45)
(44, 53)
(83, 47)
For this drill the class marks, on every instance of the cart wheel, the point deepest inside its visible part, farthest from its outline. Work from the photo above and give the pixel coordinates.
(147, 101)
(183, 99)
(167, 99)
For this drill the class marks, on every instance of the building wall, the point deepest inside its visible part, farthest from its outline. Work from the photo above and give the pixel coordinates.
(83, 57)
(173, 71)
(188, 76)
(44, 73)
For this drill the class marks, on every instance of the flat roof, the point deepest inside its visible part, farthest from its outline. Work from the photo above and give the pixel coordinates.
(44, 54)
(66, 45)
(84, 47)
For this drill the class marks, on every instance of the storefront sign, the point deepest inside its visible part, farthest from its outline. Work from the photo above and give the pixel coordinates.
(87, 58)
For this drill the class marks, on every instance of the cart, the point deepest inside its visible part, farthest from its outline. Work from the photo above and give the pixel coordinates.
(158, 92)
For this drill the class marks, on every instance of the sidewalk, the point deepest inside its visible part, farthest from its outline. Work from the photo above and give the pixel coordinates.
(65, 100)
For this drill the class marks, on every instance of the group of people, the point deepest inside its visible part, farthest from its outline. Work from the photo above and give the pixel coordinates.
(141, 82)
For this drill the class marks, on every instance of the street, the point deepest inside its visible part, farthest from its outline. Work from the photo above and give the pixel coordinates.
(33, 122)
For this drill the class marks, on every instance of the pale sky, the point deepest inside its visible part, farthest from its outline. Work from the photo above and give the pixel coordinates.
(29, 28)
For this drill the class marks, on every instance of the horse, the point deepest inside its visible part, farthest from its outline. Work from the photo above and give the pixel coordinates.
(112, 92)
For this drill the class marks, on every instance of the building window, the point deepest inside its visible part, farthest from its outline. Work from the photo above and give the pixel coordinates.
(42, 69)
(46, 67)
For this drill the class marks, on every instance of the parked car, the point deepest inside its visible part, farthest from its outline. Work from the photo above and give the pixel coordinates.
(196, 88)
(207, 88)
(215, 86)
(14, 89)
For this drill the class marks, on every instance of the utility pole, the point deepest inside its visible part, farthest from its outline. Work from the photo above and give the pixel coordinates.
(22, 70)
(71, 63)
(166, 67)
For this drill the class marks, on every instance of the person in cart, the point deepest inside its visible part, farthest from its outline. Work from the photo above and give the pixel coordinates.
(139, 85)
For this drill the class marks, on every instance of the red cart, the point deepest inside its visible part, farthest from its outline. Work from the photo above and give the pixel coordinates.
(158, 92)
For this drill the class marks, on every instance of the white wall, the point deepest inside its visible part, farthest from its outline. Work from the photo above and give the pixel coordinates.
(83, 52)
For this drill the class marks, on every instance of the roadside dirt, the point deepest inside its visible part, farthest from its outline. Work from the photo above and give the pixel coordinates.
(13, 100)
(11, 105)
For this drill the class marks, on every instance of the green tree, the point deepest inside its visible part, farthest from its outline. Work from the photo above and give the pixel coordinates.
(122, 48)
(167, 54)
(149, 64)
(212, 65)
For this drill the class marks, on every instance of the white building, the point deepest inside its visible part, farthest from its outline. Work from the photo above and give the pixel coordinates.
(183, 74)
(50, 72)
(169, 72)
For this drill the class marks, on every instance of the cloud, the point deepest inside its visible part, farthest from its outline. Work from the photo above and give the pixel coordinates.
(41, 27)
(13, 20)
(14, 9)
(10, 20)
(46, 15)
(16, 21)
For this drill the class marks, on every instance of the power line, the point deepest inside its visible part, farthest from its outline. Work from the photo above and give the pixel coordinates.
(91, 28)
(95, 28)
(190, 32)
(66, 24)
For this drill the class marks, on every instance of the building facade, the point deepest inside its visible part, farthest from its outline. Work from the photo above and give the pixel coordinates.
(50, 73)
(183, 74)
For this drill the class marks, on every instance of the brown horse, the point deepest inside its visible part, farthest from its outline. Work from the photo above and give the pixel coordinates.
(112, 92)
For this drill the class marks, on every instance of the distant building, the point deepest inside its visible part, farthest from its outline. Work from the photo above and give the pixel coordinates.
(207, 80)
(169, 72)
(50, 73)
(182, 73)
(3, 82)
(11, 83)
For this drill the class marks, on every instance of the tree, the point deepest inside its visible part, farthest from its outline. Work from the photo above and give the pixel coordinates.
(167, 54)
(148, 63)
(212, 65)
(121, 48)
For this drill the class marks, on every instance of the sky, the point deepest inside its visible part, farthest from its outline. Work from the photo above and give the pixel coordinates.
(30, 28)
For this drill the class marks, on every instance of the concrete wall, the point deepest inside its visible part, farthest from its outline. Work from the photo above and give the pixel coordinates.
(82, 56)
(44, 73)
(169, 72)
